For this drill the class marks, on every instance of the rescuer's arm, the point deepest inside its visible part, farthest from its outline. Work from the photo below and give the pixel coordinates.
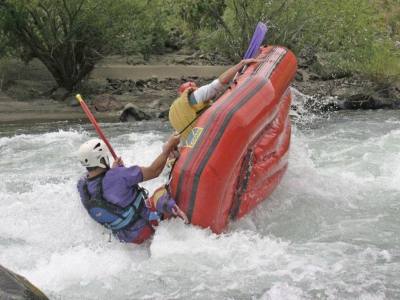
(209, 91)
(229, 74)
(156, 167)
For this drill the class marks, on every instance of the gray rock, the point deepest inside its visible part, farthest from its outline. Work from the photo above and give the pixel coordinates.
(155, 104)
(60, 94)
(163, 114)
(133, 113)
(71, 101)
(16, 287)
(353, 93)
(140, 83)
(106, 102)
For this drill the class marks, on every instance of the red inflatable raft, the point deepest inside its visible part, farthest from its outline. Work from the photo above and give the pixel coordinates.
(238, 151)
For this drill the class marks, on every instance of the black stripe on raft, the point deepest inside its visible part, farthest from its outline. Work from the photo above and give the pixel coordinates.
(215, 142)
(217, 138)
(206, 129)
(245, 168)
(241, 184)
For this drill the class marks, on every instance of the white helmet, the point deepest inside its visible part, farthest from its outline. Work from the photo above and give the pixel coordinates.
(91, 153)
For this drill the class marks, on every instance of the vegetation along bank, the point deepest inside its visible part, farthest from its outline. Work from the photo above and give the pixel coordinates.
(347, 49)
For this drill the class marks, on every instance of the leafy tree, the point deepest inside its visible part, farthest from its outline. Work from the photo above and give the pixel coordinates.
(69, 37)
(199, 13)
(147, 33)
(192, 16)
(3, 46)
(354, 30)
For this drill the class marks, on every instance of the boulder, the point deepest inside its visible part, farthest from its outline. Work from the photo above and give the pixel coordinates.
(318, 104)
(164, 114)
(353, 93)
(366, 95)
(106, 102)
(71, 101)
(133, 113)
(60, 94)
(16, 287)
(155, 104)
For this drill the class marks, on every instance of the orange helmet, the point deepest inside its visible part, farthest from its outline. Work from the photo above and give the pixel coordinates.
(185, 86)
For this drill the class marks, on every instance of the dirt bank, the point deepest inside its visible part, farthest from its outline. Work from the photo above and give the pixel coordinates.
(26, 98)
(151, 87)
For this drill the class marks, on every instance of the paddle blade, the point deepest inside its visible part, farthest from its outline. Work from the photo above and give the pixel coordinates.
(256, 40)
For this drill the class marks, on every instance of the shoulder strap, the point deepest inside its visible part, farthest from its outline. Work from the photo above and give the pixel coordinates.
(97, 200)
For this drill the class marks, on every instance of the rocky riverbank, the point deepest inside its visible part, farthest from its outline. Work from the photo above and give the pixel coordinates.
(145, 91)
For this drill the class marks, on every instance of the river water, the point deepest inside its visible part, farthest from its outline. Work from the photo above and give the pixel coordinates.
(330, 230)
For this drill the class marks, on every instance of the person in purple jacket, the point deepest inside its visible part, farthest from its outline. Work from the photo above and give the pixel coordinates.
(113, 197)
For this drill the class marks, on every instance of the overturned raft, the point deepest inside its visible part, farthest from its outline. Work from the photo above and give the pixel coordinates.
(237, 153)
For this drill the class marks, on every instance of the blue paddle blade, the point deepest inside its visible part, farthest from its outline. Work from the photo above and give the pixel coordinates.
(256, 40)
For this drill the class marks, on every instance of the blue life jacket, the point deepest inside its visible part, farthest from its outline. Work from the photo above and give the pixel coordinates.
(110, 215)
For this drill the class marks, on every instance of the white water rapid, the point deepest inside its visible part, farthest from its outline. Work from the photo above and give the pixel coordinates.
(330, 231)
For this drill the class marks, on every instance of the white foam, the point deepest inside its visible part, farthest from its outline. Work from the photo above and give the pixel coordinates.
(329, 230)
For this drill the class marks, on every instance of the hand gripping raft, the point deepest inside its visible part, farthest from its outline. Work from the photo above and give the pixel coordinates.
(237, 152)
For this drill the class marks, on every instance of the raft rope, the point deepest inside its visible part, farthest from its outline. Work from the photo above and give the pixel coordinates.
(252, 50)
(199, 113)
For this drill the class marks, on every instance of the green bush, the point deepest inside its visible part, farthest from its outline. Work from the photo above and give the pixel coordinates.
(381, 62)
(70, 37)
(353, 29)
(190, 17)
(145, 32)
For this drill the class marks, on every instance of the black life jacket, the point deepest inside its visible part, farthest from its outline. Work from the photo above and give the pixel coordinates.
(110, 215)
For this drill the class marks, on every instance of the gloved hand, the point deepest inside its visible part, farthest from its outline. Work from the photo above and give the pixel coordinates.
(118, 163)
(179, 213)
(172, 143)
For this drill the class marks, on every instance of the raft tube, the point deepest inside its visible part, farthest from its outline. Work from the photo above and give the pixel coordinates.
(237, 153)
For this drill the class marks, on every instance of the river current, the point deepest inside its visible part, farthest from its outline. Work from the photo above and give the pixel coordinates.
(331, 230)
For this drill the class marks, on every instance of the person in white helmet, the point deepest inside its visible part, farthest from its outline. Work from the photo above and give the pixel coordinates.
(112, 195)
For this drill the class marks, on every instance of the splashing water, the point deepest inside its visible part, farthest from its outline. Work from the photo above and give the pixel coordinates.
(330, 230)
